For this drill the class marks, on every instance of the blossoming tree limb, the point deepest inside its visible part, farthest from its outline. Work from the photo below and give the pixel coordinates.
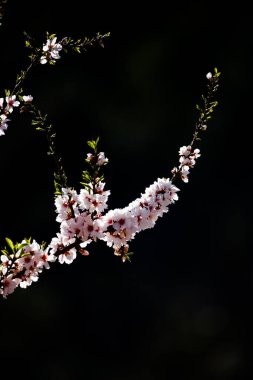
(83, 214)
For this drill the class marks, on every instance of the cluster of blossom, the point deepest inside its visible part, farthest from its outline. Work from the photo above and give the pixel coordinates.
(82, 220)
(81, 217)
(50, 51)
(100, 159)
(23, 267)
(187, 161)
(121, 225)
(7, 105)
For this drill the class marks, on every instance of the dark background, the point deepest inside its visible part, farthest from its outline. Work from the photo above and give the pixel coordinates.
(182, 308)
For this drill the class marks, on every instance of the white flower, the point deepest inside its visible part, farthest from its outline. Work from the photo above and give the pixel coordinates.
(121, 225)
(1, 102)
(184, 160)
(196, 153)
(5, 263)
(67, 257)
(27, 98)
(11, 102)
(9, 285)
(43, 59)
(66, 205)
(25, 282)
(94, 202)
(102, 160)
(89, 157)
(51, 49)
(184, 172)
(3, 124)
(187, 160)
(185, 150)
(209, 76)
(63, 208)
(59, 242)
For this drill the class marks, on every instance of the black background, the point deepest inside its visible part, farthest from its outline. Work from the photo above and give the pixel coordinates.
(182, 308)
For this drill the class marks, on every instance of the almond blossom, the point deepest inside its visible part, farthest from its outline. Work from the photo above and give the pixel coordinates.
(6, 107)
(28, 98)
(23, 267)
(11, 102)
(102, 160)
(83, 219)
(3, 124)
(6, 262)
(9, 285)
(187, 160)
(82, 216)
(51, 51)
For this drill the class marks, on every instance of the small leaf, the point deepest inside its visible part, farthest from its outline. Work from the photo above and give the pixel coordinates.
(91, 144)
(10, 244)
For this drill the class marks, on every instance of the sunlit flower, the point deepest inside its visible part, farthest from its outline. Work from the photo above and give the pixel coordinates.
(67, 257)
(102, 160)
(51, 51)
(9, 285)
(28, 98)
(11, 102)
(5, 263)
(3, 124)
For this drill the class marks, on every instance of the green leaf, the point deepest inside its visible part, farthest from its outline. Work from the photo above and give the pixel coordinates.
(10, 244)
(91, 144)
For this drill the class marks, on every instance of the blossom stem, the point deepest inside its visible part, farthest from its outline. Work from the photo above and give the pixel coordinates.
(24, 74)
(209, 105)
(66, 248)
(205, 113)
(41, 124)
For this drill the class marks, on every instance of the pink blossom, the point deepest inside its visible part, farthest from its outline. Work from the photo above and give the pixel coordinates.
(90, 157)
(3, 124)
(5, 263)
(67, 257)
(28, 98)
(187, 160)
(94, 202)
(51, 51)
(9, 285)
(185, 150)
(11, 102)
(102, 160)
